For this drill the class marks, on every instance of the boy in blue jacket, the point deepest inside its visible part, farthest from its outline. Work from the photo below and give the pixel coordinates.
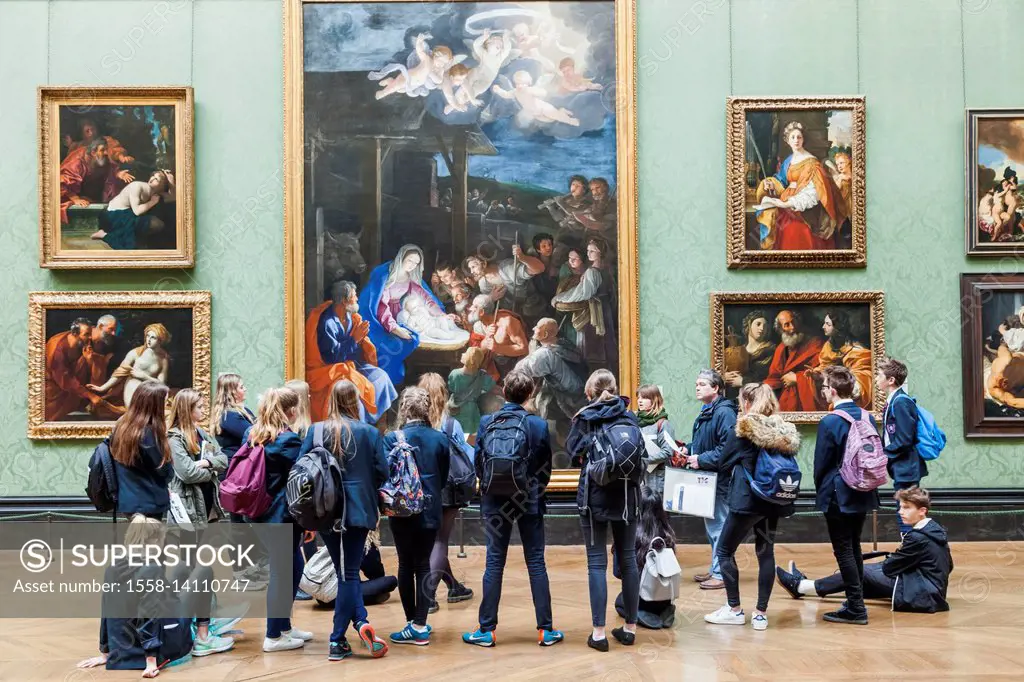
(899, 430)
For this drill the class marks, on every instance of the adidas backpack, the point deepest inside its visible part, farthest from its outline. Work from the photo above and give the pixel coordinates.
(461, 484)
(776, 477)
(930, 438)
(864, 460)
(244, 489)
(402, 492)
(315, 492)
(616, 453)
(505, 453)
(102, 483)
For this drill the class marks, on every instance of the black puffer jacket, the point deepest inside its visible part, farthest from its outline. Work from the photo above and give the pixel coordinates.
(753, 432)
(619, 501)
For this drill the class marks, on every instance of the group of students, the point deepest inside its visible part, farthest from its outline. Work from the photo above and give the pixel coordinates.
(153, 457)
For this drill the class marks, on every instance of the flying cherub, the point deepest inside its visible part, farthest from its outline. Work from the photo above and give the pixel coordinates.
(456, 90)
(531, 105)
(571, 81)
(424, 71)
(491, 50)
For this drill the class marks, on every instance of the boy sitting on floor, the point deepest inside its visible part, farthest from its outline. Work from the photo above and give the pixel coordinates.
(914, 577)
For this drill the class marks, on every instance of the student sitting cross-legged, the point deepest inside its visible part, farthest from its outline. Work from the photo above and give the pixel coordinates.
(913, 578)
(513, 462)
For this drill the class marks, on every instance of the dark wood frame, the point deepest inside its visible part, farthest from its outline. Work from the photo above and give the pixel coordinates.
(971, 244)
(974, 288)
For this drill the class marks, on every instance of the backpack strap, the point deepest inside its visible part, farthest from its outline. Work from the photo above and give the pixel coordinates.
(318, 435)
(400, 437)
(449, 426)
(845, 416)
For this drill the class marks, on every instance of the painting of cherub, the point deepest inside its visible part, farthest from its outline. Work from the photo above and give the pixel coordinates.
(425, 70)
(995, 203)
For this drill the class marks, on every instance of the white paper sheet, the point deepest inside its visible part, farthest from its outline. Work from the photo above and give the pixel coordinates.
(690, 492)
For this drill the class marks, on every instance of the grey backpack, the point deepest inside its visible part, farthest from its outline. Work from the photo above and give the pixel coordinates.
(660, 578)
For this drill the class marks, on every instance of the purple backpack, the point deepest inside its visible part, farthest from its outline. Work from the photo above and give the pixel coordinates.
(864, 460)
(244, 490)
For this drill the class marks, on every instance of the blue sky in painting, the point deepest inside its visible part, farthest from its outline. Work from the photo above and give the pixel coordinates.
(367, 36)
(991, 157)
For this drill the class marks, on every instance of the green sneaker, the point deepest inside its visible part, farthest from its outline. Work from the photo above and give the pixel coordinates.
(211, 645)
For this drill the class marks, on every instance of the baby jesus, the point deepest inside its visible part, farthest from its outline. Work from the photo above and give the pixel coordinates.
(415, 315)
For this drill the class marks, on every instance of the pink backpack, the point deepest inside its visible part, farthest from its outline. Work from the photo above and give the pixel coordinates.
(864, 460)
(244, 489)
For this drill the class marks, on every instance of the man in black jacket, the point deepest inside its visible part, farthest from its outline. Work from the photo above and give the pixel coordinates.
(714, 423)
(914, 577)
(899, 430)
(844, 508)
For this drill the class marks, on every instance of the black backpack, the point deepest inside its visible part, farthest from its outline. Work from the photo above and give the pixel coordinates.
(102, 483)
(616, 453)
(461, 475)
(315, 491)
(505, 455)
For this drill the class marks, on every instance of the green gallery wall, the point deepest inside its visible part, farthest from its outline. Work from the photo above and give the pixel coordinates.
(918, 62)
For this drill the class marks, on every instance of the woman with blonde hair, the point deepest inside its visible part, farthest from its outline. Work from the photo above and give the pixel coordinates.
(142, 455)
(758, 428)
(437, 389)
(615, 507)
(229, 417)
(272, 431)
(197, 460)
(414, 535)
(303, 415)
(358, 449)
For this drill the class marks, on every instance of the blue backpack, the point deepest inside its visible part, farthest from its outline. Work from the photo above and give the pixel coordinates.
(930, 438)
(402, 493)
(776, 477)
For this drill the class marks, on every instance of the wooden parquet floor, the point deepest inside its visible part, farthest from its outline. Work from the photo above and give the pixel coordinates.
(981, 638)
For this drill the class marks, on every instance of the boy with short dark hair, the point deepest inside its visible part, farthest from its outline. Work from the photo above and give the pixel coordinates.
(845, 508)
(899, 430)
(914, 577)
(521, 434)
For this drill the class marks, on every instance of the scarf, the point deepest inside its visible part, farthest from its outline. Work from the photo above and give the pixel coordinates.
(648, 418)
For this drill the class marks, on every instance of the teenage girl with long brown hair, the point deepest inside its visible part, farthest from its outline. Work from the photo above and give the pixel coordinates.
(141, 454)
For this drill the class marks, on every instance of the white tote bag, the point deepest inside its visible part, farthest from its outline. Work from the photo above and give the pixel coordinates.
(660, 578)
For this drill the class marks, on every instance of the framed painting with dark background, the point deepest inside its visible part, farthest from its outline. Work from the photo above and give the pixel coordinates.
(992, 328)
(787, 339)
(88, 351)
(116, 177)
(995, 158)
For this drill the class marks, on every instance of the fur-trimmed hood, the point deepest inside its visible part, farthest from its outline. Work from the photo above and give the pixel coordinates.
(771, 433)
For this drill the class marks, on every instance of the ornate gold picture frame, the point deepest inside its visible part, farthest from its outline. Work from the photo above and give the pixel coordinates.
(786, 339)
(88, 350)
(116, 177)
(392, 174)
(795, 192)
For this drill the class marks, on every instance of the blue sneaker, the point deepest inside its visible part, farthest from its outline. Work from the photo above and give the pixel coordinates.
(480, 638)
(549, 637)
(410, 636)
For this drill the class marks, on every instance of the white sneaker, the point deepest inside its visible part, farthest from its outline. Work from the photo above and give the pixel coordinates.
(282, 643)
(298, 634)
(759, 621)
(725, 616)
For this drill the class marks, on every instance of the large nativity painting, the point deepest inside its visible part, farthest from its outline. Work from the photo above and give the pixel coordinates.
(465, 203)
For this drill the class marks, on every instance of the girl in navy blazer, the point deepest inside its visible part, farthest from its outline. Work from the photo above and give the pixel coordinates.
(359, 450)
(229, 417)
(281, 446)
(141, 454)
(414, 535)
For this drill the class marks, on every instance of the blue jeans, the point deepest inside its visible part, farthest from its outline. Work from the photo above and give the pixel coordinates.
(897, 486)
(281, 590)
(713, 527)
(498, 530)
(348, 606)
(595, 534)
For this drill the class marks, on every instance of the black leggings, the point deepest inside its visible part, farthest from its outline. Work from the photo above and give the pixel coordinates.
(439, 564)
(413, 544)
(733, 533)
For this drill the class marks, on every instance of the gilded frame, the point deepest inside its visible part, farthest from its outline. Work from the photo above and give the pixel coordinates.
(49, 99)
(40, 301)
(628, 208)
(737, 255)
(876, 299)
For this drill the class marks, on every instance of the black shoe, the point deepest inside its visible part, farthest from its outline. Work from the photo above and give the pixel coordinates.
(796, 571)
(434, 607)
(789, 582)
(623, 637)
(459, 593)
(339, 651)
(599, 644)
(845, 615)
